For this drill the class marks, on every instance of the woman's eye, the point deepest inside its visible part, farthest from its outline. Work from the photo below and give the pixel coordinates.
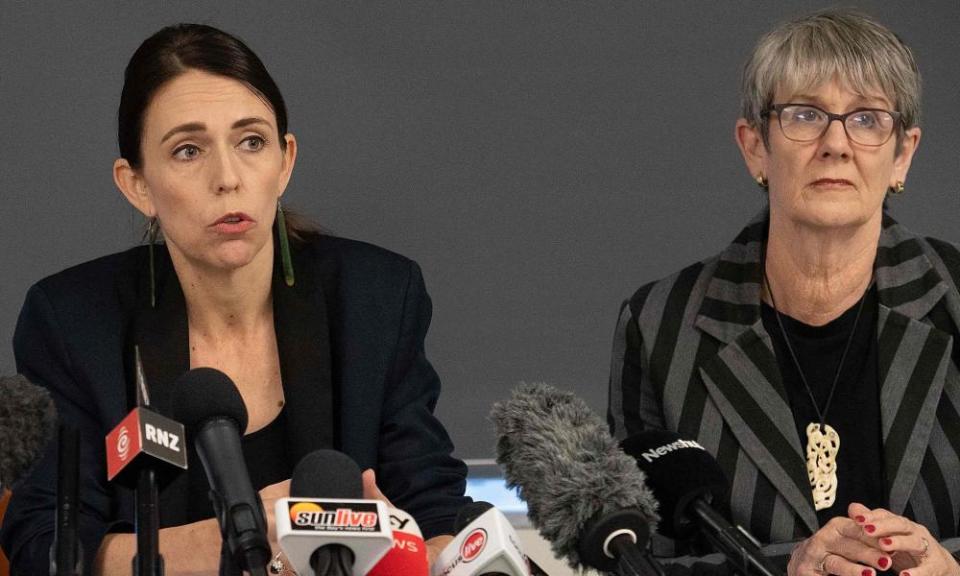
(253, 143)
(806, 115)
(865, 120)
(186, 152)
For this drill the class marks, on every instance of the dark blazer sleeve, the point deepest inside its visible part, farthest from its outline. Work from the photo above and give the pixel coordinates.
(415, 467)
(28, 529)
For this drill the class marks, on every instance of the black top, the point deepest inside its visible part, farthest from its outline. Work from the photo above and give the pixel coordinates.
(855, 410)
(265, 453)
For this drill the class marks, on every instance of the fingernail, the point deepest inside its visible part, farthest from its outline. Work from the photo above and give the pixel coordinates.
(886, 541)
(904, 573)
(883, 562)
(870, 528)
(867, 573)
(861, 519)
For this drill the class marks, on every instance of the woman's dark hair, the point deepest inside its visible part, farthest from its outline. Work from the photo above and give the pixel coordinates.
(175, 50)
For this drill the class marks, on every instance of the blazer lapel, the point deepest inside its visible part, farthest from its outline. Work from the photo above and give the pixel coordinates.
(160, 332)
(303, 341)
(743, 379)
(914, 357)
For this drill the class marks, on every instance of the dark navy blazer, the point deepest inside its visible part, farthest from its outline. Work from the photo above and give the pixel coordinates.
(350, 334)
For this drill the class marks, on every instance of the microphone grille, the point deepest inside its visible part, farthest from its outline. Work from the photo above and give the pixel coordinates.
(567, 467)
(202, 394)
(469, 513)
(28, 419)
(326, 474)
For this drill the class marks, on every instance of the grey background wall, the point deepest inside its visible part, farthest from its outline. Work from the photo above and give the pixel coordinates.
(540, 159)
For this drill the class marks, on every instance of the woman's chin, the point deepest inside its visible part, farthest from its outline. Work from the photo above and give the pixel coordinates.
(234, 256)
(833, 213)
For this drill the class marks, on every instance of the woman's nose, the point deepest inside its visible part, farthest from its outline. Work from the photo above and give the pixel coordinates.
(226, 176)
(835, 141)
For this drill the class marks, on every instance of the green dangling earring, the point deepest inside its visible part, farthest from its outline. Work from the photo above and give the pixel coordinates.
(153, 230)
(285, 259)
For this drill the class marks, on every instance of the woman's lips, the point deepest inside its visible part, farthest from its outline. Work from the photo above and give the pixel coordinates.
(233, 223)
(832, 183)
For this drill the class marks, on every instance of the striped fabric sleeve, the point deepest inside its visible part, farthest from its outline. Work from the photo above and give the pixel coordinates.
(625, 414)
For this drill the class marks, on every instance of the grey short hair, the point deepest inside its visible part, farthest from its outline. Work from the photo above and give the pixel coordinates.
(806, 52)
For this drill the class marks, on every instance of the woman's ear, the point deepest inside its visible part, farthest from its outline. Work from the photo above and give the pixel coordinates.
(901, 164)
(754, 149)
(133, 187)
(289, 159)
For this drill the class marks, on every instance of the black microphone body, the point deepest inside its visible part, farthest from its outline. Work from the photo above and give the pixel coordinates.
(736, 545)
(236, 504)
(686, 479)
(208, 403)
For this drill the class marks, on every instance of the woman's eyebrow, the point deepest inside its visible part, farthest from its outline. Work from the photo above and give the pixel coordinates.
(200, 126)
(188, 127)
(243, 123)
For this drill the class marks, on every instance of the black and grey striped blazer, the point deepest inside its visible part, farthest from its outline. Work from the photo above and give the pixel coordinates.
(691, 355)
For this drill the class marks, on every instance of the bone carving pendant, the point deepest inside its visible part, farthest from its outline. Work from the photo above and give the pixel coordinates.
(822, 448)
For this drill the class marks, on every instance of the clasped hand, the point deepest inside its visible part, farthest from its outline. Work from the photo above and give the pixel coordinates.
(869, 540)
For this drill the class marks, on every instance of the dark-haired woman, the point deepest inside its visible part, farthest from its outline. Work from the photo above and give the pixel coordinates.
(324, 337)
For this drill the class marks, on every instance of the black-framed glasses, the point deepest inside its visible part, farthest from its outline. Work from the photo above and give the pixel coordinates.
(805, 123)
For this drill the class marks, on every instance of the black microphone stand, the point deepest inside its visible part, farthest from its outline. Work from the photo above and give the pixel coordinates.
(739, 550)
(631, 561)
(66, 554)
(147, 561)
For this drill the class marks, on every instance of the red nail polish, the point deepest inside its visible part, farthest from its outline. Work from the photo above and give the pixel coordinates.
(861, 519)
(886, 541)
(883, 562)
(867, 573)
(870, 528)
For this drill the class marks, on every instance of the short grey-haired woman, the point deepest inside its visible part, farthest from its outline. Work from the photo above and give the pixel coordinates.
(818, 356)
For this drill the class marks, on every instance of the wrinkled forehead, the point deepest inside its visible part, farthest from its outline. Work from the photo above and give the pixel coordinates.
(807, 75)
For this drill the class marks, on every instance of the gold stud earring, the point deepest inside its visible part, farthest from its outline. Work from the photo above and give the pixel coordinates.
(898, 188)
(762, 182)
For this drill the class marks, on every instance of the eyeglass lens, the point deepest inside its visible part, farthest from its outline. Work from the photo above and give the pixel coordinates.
(805, 123)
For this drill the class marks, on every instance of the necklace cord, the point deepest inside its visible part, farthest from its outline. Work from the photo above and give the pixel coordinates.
(833, 388)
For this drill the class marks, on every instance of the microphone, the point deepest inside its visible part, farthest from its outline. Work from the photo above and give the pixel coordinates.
(325, 527)
(472, 511)
(207, 401)
(145, 449)
(584, 494)
(486, 545)
(28, 419)
(686, 479)
(408, 556)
